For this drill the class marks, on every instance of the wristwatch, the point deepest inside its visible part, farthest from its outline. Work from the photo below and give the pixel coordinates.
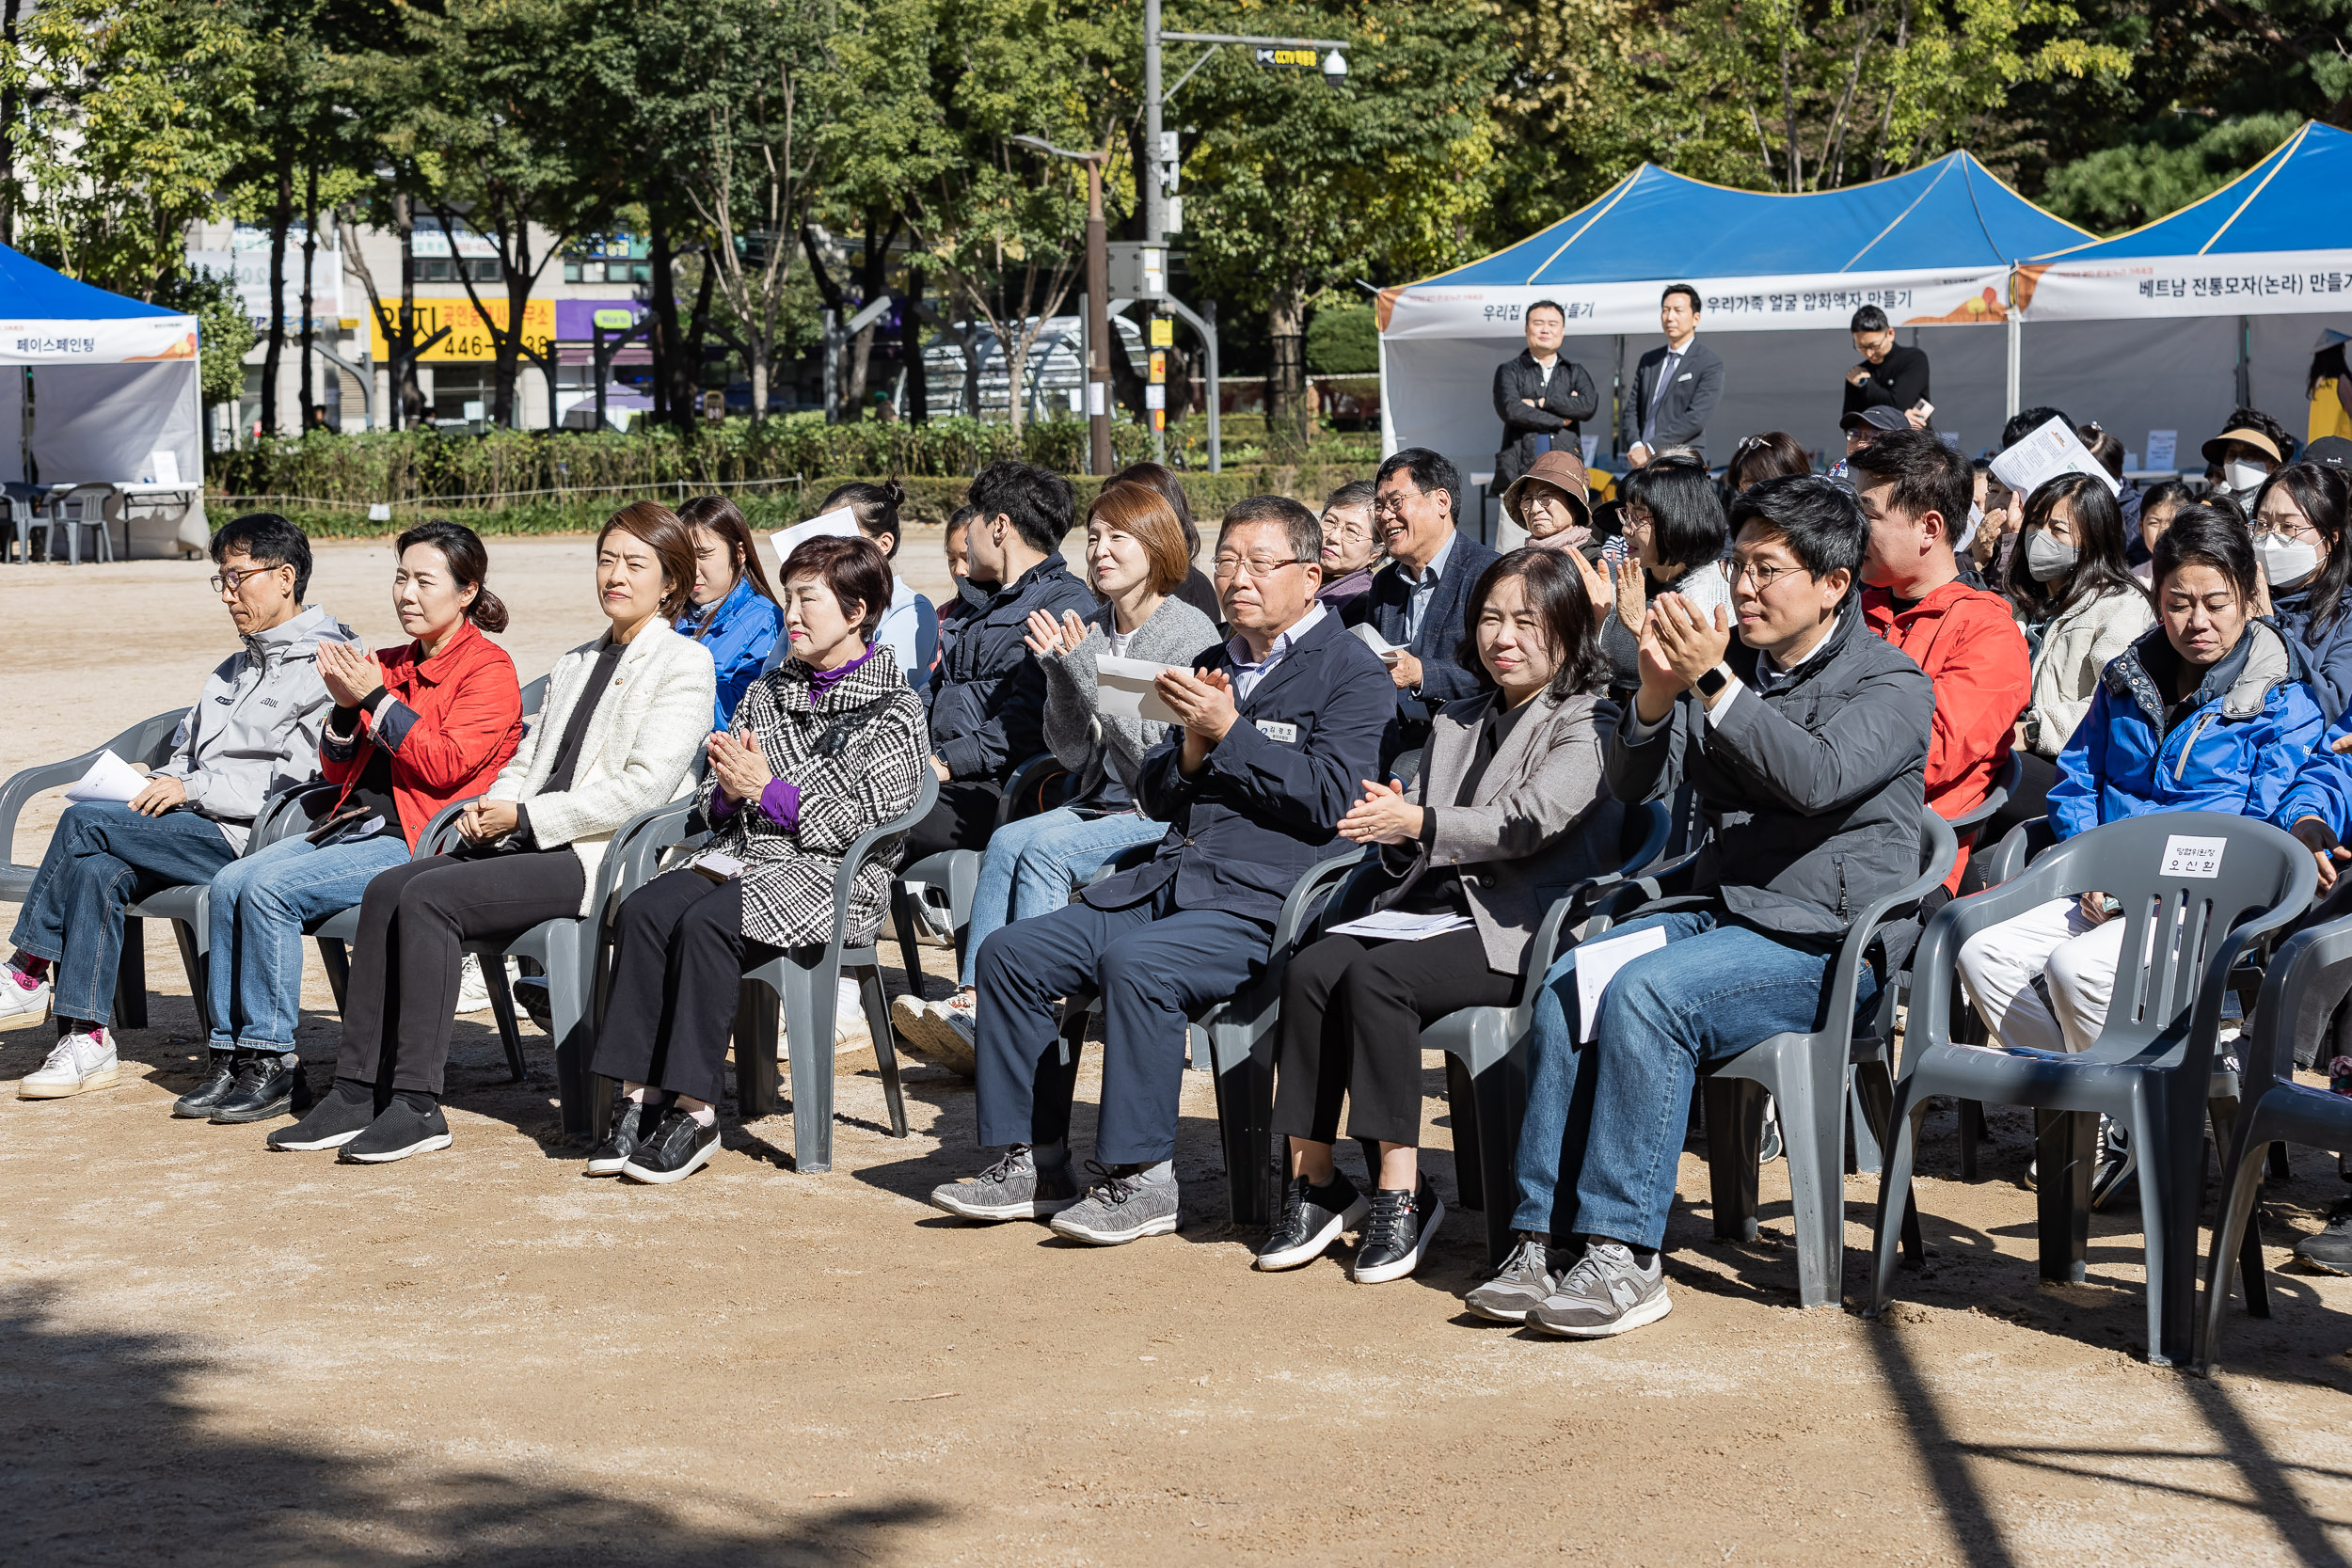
(1711, 684)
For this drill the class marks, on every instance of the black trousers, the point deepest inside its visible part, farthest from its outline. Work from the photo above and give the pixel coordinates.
(405, 959)
(2036, 775)
(965, 815)
(679, 959)
(1352, 1017)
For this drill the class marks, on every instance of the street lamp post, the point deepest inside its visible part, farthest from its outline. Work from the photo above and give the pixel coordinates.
(1098, 304)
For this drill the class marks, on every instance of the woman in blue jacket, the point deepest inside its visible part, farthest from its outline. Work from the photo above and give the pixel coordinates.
(733, 612)
(2207, 712)
(2300, 518)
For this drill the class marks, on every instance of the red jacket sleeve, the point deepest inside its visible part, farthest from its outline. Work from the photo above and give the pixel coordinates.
(1983, 680)
(475, 731)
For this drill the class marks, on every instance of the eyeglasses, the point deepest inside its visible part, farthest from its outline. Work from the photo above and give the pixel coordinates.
(1635, 518)
(2286, 528)
(233, 582)
(1257, 566)
(1335, 529)
(1763, 572)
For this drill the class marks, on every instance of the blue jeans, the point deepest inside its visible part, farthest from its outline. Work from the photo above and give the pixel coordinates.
(260, 906)
(103, 857)
(1033, 865)
(1612, 1115)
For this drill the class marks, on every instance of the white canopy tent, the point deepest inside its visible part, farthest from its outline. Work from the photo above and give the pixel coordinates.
(98, 388)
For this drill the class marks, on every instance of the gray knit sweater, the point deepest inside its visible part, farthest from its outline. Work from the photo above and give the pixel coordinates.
(1100, 748)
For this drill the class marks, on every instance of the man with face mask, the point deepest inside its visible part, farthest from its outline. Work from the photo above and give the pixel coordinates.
(2248, 451)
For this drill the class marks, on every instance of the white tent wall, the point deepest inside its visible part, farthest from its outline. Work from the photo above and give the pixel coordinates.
(103, 421)
(12, 424)
(2134, 376)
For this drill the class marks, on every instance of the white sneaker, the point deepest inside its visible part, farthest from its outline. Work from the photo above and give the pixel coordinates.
(473, 991)
(81, 1062)
(956, 1036)
(934, 922)
(22, 997)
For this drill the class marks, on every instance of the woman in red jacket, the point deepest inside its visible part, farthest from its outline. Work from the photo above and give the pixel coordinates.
(413, 730)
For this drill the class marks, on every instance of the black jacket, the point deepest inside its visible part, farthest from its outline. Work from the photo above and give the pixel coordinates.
(1698, 385)
(1264, 807)
(1897, 382)
(987, 701)
(1565, 398)
(1813, 794)
(1444, 679)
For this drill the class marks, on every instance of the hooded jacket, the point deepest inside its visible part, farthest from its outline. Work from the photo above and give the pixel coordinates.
(2328, 656)
(1812, 790)
(988, 700)
(2235, 747)
(739, 633)
(255, 731)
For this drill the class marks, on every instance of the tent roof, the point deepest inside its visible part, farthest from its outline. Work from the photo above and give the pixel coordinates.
(1654, 224)
(2298, 199)
(30, 292)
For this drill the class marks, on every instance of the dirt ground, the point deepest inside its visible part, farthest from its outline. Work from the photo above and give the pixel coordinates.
(218, 1354)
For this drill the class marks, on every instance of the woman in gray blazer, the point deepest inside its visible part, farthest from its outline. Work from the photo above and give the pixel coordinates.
(1508, 814)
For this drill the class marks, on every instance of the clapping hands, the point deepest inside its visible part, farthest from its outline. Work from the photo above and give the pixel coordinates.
(739, 766)
(1046, 637)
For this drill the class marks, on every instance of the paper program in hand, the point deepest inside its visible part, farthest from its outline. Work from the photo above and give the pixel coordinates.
(840, 523)
(1123, 686)
(109, 778)
(2052, 449)
(1365, 633)
(1596, 965)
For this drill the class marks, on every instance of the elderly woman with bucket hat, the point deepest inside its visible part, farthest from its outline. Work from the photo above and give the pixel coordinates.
(1673, 524)
(1552, 503)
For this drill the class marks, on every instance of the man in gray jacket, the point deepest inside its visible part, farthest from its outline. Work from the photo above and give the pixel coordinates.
(1805, 742)
(254, 731)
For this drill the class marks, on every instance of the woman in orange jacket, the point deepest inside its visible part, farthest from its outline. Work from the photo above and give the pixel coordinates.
(413, 730)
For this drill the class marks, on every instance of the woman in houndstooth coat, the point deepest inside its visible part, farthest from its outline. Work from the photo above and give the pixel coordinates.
(827, 745)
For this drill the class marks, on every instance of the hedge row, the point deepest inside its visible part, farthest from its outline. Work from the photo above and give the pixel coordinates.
(928, 501)
(519, 469)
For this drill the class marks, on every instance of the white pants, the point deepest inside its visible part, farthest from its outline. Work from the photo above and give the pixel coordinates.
(2075, 959)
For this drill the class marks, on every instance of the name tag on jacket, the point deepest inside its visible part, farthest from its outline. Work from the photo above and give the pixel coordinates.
(1272, 730)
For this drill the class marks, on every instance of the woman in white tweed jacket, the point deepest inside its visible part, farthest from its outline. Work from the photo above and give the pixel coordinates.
(827, 745)
(625, 717)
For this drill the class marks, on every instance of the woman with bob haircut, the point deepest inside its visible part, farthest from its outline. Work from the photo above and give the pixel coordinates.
(624, 715)
(1509, 811)
(1136, 563)
(1674, 523)
(732, 611)
(827, 745)
(413, 730)
(1775, 454)
(2298, 526)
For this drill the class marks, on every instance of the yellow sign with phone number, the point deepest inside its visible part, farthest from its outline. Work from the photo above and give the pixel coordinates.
(468, 331)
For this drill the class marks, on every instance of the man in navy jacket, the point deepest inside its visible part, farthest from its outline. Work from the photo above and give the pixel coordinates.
(1415, 601)
(1278, 729)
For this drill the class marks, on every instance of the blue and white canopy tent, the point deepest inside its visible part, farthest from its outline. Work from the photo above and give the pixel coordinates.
(94, 387)
(2220, 304)
(1781, 276)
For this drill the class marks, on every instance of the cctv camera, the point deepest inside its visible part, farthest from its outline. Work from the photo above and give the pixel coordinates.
(1335, 67)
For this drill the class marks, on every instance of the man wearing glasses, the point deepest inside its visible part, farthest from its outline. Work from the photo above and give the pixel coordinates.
(1804, 739)
(1277, 732)
(1415, 601)
(254, 731)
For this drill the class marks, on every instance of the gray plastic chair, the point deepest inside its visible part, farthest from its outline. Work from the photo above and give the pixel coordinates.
(84, 506)
(2152, 1065)
(2307, 978)
(959, 872)
(805, 980)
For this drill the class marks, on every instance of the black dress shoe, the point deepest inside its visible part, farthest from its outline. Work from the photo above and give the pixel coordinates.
(631, 1119)
(265, 1087)
(219, 1073)
(680, 1147)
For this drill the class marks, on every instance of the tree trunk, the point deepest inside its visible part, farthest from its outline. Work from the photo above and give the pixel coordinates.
(508, 346)
(662, 336)
(853, 382)
(407, 389)
(280, 215)
(691, 371)
(1286, 403)
(755, 352)
(11, 109)
(310, 267)
(918, 408)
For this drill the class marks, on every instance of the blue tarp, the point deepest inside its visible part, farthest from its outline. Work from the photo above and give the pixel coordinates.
(30, 292)
(2298, 199)
(1656, 225)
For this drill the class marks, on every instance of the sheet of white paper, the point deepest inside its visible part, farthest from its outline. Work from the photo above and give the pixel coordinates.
(2162, 444)
(109, 778)
(1123, 686)
(1371, 637)
(1399, 925)
(840, 523)
(166, 465)
(1596, 965)
(2049, 451)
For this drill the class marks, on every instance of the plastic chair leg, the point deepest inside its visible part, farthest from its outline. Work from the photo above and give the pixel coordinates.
(2278, 1171)
(808, 1005)
(754, 1052)
(2066, 1146)
(869, 991)
(130, 977)
(335, 959)
(2234, 1233)
(1735, 1127)
(1245, 1118)
(1461, 1097)
(1867, 1159)
(192, 959)
(1874, 1095)
(1894, 1198)
(569, 1001)
(1502, 1107)
(502, 1009)
(1973, 1126)
(2172, 1180)
(1812, 1095)
(902, 916)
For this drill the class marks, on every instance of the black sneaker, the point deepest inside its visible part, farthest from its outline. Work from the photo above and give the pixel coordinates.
(218, 1074)
(411, 1124)
(266, 1087)
(2331, 1251)
(2118, 1163)
(334, 1121)
(1312, 1218)
(530, 996)
(680, 1147)
(630, 1121)
(1397, 1233)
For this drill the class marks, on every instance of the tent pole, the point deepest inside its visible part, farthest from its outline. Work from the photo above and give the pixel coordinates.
(2017, 358)
(2245, 362)
(1616, 402)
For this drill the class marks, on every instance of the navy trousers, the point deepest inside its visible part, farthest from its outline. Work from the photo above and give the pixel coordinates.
(1152, 965)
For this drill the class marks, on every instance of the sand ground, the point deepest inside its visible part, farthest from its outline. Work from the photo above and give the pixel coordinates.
(220, 1355)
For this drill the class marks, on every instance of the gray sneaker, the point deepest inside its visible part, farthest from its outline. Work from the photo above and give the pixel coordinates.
(1520, 1286)
(1120, 1208)
(1605, 1293)
(1012, 1189)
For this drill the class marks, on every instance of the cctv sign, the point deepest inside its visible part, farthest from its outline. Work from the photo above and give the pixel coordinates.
(1302, 60)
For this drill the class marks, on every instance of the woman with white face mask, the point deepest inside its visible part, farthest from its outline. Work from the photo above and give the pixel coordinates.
(2248, 451)
(2299, 525)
